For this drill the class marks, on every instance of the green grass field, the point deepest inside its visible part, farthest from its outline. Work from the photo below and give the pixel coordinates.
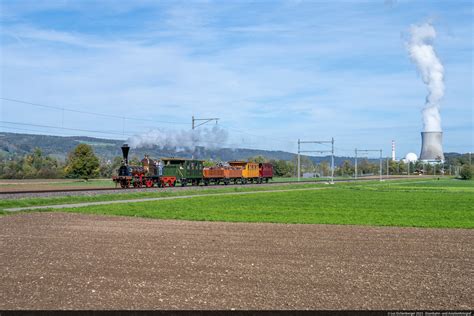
(443, 203)
(8, 203)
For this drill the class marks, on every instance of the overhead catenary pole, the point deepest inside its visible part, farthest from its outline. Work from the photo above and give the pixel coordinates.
(355, 165)
(316, 151)
(332, 160)
(380, 159)
(205, 120)
(299, 161)
(380, 172)
(194, 126)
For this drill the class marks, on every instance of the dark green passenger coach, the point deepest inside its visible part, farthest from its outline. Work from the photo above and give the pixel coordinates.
(185, 170)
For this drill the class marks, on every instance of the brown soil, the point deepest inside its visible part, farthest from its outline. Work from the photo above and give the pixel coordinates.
(75, 261)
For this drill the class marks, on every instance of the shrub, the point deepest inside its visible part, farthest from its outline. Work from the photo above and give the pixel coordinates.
(466, 172)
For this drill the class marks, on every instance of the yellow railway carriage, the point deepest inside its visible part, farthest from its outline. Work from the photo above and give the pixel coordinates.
(250, 170)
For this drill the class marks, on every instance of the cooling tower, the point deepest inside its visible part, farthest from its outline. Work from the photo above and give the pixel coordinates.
(432, 146)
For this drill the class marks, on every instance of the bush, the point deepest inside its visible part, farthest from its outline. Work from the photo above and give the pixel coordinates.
(466, 172)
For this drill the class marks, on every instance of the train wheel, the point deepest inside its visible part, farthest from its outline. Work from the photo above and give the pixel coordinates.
(171, 183)
(184, 183)
(124, 184)
(149, 183)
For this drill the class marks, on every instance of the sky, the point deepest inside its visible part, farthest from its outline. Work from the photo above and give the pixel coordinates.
(273, 72)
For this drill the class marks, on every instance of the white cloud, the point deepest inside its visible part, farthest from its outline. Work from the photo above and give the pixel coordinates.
(283, 79)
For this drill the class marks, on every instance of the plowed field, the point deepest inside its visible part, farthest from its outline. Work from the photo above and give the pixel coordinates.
(76, 261)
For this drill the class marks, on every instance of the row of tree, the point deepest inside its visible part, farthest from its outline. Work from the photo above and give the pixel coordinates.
(80, 163)
(83, 163)
(456, 166)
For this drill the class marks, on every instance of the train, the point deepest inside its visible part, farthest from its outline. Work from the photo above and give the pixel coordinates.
(170, 172)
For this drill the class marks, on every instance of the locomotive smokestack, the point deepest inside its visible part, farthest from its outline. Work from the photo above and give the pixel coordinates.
(431, 146)
(125, 150)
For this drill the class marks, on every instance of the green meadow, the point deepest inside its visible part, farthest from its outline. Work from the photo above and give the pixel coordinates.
(445, 203)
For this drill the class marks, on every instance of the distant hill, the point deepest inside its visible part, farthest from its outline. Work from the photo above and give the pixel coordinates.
(13, 144)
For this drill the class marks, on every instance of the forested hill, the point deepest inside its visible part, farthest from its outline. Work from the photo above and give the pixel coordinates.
(13, 144)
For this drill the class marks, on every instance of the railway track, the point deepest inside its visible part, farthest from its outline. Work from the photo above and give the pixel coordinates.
(179, 187)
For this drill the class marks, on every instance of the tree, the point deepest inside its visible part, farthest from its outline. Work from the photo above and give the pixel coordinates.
(282, 168)
(208, 163)
(82, 163)
(365, 167)
(257, 159)
(466, 172)
(346, 169)
(108, 168)
(33, 165)
(324, 169)
(393, 167)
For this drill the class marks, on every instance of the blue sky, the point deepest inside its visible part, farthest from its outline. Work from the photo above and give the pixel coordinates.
(272, 71)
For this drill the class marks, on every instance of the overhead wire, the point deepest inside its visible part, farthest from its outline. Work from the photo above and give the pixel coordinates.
(90, 113)
(66, 128)
(32, 130)
(59, 108)
(281, 140)
(229, 145)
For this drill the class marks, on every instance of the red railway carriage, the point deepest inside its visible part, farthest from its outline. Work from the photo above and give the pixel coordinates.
(265, 171)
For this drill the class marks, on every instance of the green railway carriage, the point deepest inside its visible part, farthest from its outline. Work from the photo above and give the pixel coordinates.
(185, 170)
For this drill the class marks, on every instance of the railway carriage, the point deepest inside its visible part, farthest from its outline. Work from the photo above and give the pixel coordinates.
(222, 174)
(184, 170)
(250, 171)
(265, 171)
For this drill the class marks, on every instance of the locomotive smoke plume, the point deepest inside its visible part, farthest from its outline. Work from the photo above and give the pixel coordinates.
(185, 139)
(422, 53)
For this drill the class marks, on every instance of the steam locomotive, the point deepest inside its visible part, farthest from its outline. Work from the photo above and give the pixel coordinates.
(169, 172)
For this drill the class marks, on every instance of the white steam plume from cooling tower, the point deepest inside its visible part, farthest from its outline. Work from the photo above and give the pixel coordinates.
(422, 53)
(185, 139)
